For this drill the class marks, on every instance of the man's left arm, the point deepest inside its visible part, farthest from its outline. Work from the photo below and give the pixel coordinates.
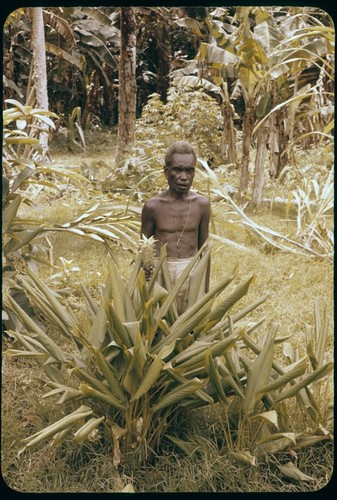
(203, 235)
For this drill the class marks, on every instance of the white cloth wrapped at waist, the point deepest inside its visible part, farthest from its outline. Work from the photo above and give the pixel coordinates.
(175, 268)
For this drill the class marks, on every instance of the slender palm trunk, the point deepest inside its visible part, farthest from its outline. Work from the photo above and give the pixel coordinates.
(40, 71)
(127, 83)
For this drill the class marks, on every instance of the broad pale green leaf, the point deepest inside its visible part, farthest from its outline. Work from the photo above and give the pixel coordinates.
(93, 236)
(270, 416)
(109, 399)
(58, 389)
(229, 302)
(91, 380)
(290, 470)
(133, 331)
(263, 106)
(9, 212)
(166, 350)
(198, 279)
(249, 79)
(60, 425)
(190, 322)
(306, 380)
(49, 302)
(175, 396)
(62, 54)
(322, 323)
(25, 174)
(75, 230)
(297, 369)
(100, 324)
(175, 375)
(230, 375)
(16, 353)
(21, 140)
(116, 324)
(216, 350)
(268, 36)
(213, 54)
(329, 127)
(17, 104)
(186, 446)
(277, 442)
(118, 290)
(150, 377)
(109, 375)
(291, 436)
(204, 302)
(35, 331)
(44, 119)
(197, 347)
(211, 368)
(83, 432)
(259, 372)
(304, 441)
(246, 457)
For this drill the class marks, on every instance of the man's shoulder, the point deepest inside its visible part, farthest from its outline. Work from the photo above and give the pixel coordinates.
(202, 200)
(155, 200)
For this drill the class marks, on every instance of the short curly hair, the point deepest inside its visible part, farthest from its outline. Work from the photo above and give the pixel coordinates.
(180, 147)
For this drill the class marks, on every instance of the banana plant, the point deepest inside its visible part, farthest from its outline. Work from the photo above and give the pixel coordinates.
(134, 366)
(260, 62)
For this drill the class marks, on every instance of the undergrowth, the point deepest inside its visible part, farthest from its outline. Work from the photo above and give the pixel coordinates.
(293, 282)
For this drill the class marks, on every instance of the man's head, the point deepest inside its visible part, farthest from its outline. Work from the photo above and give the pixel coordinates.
(179, 147)
(180, 161)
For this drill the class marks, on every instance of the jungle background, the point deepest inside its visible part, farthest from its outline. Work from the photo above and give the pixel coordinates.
(92, 98)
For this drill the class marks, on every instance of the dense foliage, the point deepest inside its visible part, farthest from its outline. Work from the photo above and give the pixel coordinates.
(252, 88)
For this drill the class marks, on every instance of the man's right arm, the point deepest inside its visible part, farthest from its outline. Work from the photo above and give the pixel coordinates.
(148, 226)
(148, 229)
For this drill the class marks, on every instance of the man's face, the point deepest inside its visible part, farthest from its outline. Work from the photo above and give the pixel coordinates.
(181, 172)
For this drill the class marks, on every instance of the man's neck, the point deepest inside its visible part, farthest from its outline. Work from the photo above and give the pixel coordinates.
(173, 195)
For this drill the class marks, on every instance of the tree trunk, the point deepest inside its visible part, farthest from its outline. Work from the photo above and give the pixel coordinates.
(40, 71)
(261, 147)
(246, 140)
(278, 141)
(127, 83)
(228, 146)
(163, 43)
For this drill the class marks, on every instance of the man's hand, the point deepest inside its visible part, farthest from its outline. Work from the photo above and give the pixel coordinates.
(148, 272)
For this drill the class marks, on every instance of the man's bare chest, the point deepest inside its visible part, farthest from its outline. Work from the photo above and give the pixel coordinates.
(173, 217)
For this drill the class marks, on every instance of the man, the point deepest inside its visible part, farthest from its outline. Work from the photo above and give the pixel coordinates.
(177, 216)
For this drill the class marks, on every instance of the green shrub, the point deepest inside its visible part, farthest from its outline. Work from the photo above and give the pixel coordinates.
(134, 365)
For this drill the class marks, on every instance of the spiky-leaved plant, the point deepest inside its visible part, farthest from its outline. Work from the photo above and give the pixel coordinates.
(146, 250)
(135, 364)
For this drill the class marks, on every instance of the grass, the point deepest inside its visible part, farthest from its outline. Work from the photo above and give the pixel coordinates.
(293, 282)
